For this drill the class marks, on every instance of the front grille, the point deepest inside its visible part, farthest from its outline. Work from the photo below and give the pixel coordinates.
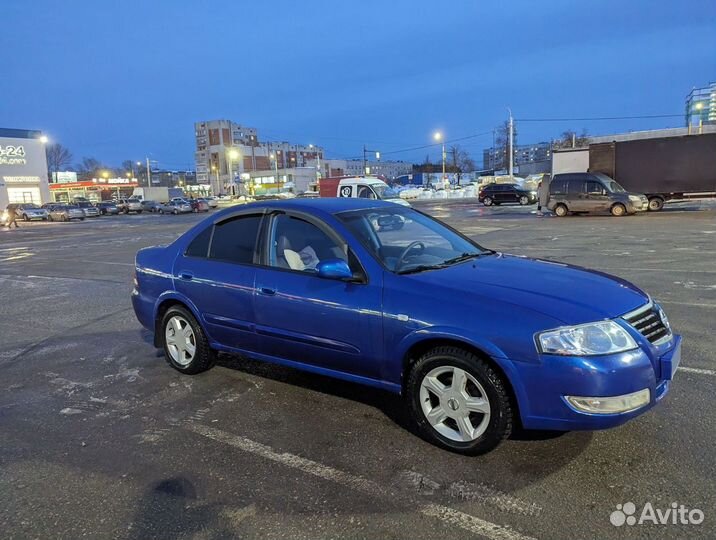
(648, 323)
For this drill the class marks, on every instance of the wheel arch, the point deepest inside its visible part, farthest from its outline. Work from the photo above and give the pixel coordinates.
(496, 360)
(167, 301)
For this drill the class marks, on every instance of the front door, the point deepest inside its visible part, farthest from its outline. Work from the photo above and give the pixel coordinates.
(596, 197)
(308, 319)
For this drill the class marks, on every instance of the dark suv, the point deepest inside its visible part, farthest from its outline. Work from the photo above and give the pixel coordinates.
(592, 192)
(506, 193)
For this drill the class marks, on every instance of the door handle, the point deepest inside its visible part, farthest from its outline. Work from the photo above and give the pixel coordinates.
(267, 291)
(188, 276)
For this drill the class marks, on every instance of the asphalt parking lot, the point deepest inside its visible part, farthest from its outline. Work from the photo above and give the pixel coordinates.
(100, 438)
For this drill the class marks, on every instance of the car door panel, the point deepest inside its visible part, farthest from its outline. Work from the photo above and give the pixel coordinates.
(323, 322)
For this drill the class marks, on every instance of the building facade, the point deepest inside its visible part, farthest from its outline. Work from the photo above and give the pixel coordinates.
(701, 106)
(225, 150)
(495, 158)
(23, 167)
(390, 170)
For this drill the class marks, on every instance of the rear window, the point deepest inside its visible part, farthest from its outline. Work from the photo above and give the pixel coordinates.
(234, 240)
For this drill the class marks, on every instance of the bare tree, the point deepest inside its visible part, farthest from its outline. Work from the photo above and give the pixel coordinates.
(89, 168)
(570, 139)
(58, 158)
(461, 161)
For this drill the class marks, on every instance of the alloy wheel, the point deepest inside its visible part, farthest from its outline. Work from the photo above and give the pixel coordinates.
(180, 339)
(455, 403)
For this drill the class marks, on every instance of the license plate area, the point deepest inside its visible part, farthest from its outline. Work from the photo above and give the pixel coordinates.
(670, 362)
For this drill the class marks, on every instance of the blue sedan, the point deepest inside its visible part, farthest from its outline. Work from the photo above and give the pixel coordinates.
(367, 291)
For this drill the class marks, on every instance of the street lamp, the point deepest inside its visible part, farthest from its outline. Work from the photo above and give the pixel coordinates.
(275, 167)
(439, 138)
(698, 106)
(44, 139)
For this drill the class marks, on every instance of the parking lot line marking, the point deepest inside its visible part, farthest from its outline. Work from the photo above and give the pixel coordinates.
(445, 514)
(698, 370)
(690, 304)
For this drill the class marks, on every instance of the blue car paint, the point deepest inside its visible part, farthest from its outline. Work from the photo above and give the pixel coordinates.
(362, 332)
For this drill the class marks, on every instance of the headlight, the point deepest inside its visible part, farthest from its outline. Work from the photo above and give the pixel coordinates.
(605, 337)
(634, 198)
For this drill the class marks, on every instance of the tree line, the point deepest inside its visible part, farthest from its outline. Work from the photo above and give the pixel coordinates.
(59, 158)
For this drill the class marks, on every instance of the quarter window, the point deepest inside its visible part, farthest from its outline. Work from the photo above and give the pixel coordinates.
(199, 247)
(234, 240)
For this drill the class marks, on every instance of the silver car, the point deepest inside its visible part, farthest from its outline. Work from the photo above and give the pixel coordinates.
(28, 211)
(89, 209)
(178, 206)
(66, 213)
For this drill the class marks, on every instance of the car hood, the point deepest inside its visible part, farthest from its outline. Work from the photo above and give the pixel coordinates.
(571, 294)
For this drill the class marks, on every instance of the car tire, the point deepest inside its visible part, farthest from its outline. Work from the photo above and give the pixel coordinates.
(180, 334)
(481, 386)
(25, 218)
(618, 210)
(82, 219)
(524, 200)
(560, 210)
(49, 218)
(175, 212)
(656, 204)
(487, 201)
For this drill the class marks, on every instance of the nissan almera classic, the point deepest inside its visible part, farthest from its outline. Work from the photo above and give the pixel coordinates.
(476, 341)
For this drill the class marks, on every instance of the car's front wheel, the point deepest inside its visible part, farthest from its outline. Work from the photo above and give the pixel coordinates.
(524, 200)
(487, 201)
(618, 210)
(459, 401)
(186, 347)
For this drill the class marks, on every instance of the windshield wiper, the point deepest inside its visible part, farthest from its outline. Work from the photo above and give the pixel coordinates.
(421, 268)
(464, 257)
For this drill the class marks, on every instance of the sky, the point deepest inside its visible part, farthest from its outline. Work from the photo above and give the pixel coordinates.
(127, 80)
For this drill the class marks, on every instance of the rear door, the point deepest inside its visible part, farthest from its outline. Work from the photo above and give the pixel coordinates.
(217, 273)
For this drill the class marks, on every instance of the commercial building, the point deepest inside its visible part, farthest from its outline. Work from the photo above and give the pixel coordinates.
(23, 167)
(701, 106)
(225, 150)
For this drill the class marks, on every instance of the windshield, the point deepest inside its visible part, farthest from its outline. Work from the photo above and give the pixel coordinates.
(29, 206)
(406, 241)
(381, 190)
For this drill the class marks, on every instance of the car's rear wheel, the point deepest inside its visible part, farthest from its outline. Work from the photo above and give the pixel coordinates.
(25, 218)
(186, 347)
(561, 210)
(459, 401)
(524, 200)
(618, 210)
(656, 204)
(487, 201)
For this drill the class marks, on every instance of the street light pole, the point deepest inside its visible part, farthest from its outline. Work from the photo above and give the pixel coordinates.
(149, 174)
(439, 137)
(510, 143)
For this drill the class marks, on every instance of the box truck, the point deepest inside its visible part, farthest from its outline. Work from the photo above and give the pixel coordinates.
(158, 194)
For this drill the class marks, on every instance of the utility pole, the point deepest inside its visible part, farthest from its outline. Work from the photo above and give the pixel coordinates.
(149, 174)
(365, 160)
(510, 143)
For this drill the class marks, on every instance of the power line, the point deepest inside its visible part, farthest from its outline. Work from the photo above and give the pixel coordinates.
(431, 145)
(640, 117)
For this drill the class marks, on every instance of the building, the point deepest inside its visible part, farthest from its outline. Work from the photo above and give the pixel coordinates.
(225, 150)
(23, 167)
(168, 178)
(389, 170)
(495, 158)
(701, 106)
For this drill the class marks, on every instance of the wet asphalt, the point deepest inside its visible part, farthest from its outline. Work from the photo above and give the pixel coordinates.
(99, 438)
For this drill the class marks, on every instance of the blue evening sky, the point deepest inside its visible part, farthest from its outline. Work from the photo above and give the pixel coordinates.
(124, 79)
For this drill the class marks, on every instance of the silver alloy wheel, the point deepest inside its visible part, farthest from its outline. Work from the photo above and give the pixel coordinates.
(454, 403)
(487, 201)
(524, 200)
(180, 339)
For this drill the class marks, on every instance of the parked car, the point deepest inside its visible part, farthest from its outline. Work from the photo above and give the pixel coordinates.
(213, 201)
(129, 205)
(475, 340)
(199, 205)
(64, 212)
(88, 208)
(107, 208)
(150, 206)
(175, 207)
(28, 211)
(506, 193)
(592, 192)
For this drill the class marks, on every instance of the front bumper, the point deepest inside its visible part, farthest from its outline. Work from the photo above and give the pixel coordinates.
(547, 385)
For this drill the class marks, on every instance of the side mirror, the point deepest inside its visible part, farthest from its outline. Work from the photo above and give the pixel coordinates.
(334, 269)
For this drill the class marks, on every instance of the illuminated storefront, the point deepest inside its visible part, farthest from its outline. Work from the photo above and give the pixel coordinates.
(97, 189)
(23, 167)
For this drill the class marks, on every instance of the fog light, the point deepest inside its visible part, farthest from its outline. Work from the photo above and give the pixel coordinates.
(611, 404)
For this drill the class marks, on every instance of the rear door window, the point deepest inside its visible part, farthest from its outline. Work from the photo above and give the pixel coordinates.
(199, 247)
